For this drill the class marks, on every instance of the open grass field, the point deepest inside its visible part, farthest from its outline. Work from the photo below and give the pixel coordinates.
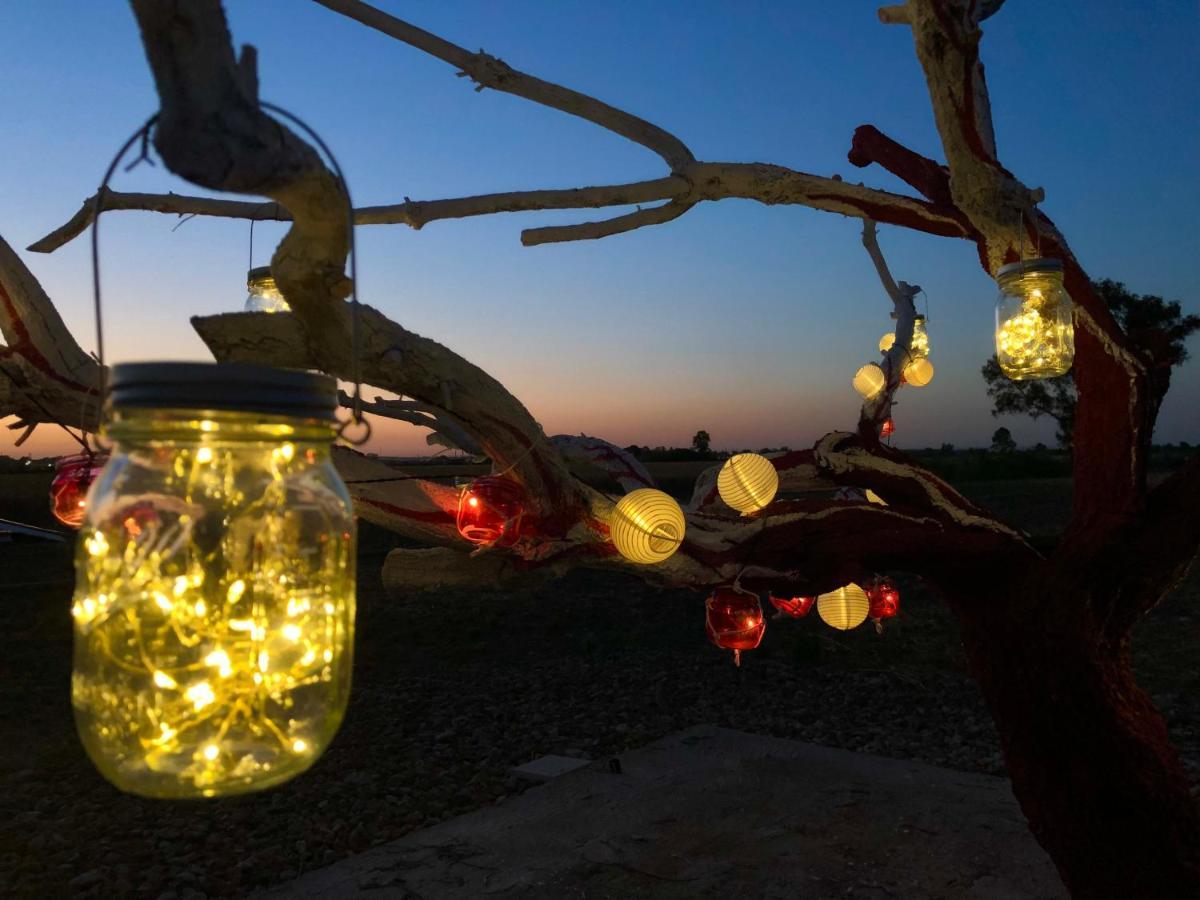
(453, 689)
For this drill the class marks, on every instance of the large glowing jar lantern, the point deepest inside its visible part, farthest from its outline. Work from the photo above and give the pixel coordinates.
(490, 511)
(734, 620)
(647, 526)
(73, 475)
(747, 482)
(214, 598)
(1035, 331)
(264, 294)
(845, 608)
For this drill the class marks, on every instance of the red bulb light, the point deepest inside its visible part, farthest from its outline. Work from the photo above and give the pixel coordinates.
(490, 511)
(73, 475)
(796, 607)
(734, 620)
(884, 599)
(888, 429)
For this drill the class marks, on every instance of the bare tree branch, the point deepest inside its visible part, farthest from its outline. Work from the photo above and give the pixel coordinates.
(878, 409)
(45, 376)
(589, 231)
(490, 72)
(414, 213)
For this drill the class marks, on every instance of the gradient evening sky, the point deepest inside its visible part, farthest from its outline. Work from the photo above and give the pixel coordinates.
(742, 319)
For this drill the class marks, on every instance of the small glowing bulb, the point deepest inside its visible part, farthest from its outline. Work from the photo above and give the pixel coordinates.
(208, 425)
(160, 599)
(236, 590)
(241, 625)
(211, 752)
(220, 659)
(204, 455)
(299, 745)
(292, 632)
(163, 680)
(200, 607)
(96, 545)
(201, 695)
(286, 452)
(263, 660)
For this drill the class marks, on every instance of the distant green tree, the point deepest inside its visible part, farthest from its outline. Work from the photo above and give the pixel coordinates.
(1149, 321)
(701, 441)
(1002, 441)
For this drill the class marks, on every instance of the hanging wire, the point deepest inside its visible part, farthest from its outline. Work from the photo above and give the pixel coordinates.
(355, 339)
(143, 134)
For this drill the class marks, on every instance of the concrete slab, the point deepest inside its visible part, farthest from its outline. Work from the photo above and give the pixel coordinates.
(711, 812)
(545, 768)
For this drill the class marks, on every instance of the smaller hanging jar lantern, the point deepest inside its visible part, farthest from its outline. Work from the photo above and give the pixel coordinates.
(264, 293)
(888, 429)
(647, 526)
(1035, 331)
(795, 607)
(918, 372)
(920, 339)
(490, 511)
(734, 620)
(845, 608)
(73, 475)
(869, 380)
(884, 599)
(748, 482)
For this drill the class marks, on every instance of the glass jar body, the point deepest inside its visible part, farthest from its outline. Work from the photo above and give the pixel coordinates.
(214, 603)
(1035, 332)
(265, 296)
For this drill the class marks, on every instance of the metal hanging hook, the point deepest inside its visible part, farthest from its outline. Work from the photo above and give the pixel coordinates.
(143, 135)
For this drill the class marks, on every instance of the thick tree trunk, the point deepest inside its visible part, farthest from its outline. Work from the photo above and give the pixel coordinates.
(1103, 789)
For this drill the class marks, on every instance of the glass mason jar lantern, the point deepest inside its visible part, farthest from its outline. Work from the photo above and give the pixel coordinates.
(920, 339)
(214, 600)
(1035, 333)
(264, 294)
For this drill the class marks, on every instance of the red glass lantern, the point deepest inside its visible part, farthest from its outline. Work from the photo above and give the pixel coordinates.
(73, 475)
(884, 599)
(734, 620)
(490, 511)
(796, 607)
(888, 429)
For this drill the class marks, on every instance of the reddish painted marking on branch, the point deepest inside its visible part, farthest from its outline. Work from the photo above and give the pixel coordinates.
(433, 517)
(870, 145)
(608, 454)
(893, 215)
(25, 347)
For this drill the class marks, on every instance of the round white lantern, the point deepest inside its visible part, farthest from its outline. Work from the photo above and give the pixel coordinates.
(647, 526)
(748, 482)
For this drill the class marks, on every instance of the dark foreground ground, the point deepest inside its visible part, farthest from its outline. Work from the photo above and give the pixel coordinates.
(453, 689)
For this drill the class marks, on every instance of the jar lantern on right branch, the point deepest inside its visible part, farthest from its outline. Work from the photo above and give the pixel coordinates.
(1035, 331)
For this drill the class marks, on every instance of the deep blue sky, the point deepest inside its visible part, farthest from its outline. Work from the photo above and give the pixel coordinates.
(745, 320)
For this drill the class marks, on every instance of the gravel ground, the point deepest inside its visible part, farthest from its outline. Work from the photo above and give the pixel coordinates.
(452, 690)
